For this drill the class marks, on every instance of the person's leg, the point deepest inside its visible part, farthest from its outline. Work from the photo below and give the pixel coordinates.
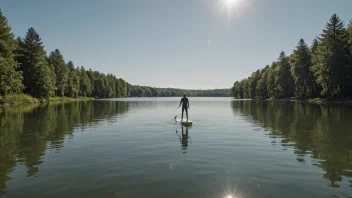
(182, 113)
(187, 113)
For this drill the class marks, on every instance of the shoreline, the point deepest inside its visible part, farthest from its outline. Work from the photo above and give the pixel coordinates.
(23, 99)
(314, 101)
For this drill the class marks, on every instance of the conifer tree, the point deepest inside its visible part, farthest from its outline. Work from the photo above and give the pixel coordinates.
(85, 84)
(73, 86)
(332, 59)
(61, 71)
(300, 65)
(349, 72)
(10, 77)
(284, 79)
(36, 72)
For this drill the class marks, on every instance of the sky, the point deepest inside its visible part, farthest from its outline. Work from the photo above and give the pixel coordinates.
(193, 44)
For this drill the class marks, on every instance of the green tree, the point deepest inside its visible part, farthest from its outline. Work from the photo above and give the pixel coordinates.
(253, 84)
(300, 70)
(121, 88)
(349, 72)
(148, 93)
(73, 85)
(270, 81)
(261, 88)
(99, 85)
(36, 72)
(284, 79)
(57, 60)
(10, 78)
(85, 84)
(91, 77)
(316, 87)
(332, 59)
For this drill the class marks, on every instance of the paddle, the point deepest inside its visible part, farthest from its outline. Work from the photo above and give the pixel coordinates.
(176, 115)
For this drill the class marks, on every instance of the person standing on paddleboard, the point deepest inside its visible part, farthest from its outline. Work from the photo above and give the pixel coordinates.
(185, 105)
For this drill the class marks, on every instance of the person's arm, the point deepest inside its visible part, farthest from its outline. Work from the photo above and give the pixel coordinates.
(188, 103)
(180, 103)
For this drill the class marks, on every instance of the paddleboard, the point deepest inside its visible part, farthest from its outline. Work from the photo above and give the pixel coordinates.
(184, 121)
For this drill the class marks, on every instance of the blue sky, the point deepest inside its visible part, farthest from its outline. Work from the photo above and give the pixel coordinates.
(173, 43)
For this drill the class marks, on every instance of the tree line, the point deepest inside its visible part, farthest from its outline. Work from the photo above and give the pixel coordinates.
(145, 91)
(25, 67)
(322, 70)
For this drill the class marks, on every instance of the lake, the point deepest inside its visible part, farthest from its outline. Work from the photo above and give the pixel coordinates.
(129, 148)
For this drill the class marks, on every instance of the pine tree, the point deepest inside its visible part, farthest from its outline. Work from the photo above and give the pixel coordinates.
(73, 86)
(270, 81)
(284, 79)
(316, 91)
(85, 84)
(332, 59)
(37, 74)
(10, 77)
(349, 72)
(52, 74)
(57, 60)
(91, 77)
(300, 65)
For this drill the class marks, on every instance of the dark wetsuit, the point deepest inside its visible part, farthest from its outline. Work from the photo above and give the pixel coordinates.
(185, 105)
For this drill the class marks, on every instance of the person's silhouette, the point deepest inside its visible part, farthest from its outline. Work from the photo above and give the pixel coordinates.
(185, 105)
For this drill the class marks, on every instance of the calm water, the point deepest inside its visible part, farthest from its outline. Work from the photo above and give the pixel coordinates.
(132, 148)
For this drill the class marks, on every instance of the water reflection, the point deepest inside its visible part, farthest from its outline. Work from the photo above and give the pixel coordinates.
(319, 133)
(28, 131)
(184, 137)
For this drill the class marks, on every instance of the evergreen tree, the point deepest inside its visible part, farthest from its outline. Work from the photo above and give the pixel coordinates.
(270, 81)
(349, 72)
(91, 77)
(284, 79)
(52, 74)
(316, 87)
(37, 74)
(332, 59)
(110, 81)
(73, 86)
(85, 84)
(300, 69)
(10, 78)
(57, 60)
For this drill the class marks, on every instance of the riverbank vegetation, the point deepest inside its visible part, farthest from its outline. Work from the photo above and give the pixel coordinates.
(28, 70)
(323, 70)
(17, 98)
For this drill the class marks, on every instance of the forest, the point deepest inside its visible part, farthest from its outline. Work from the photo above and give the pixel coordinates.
(25, 67)
(321, 70)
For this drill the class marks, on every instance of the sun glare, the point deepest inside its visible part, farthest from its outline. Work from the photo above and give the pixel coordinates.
(231, 3)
